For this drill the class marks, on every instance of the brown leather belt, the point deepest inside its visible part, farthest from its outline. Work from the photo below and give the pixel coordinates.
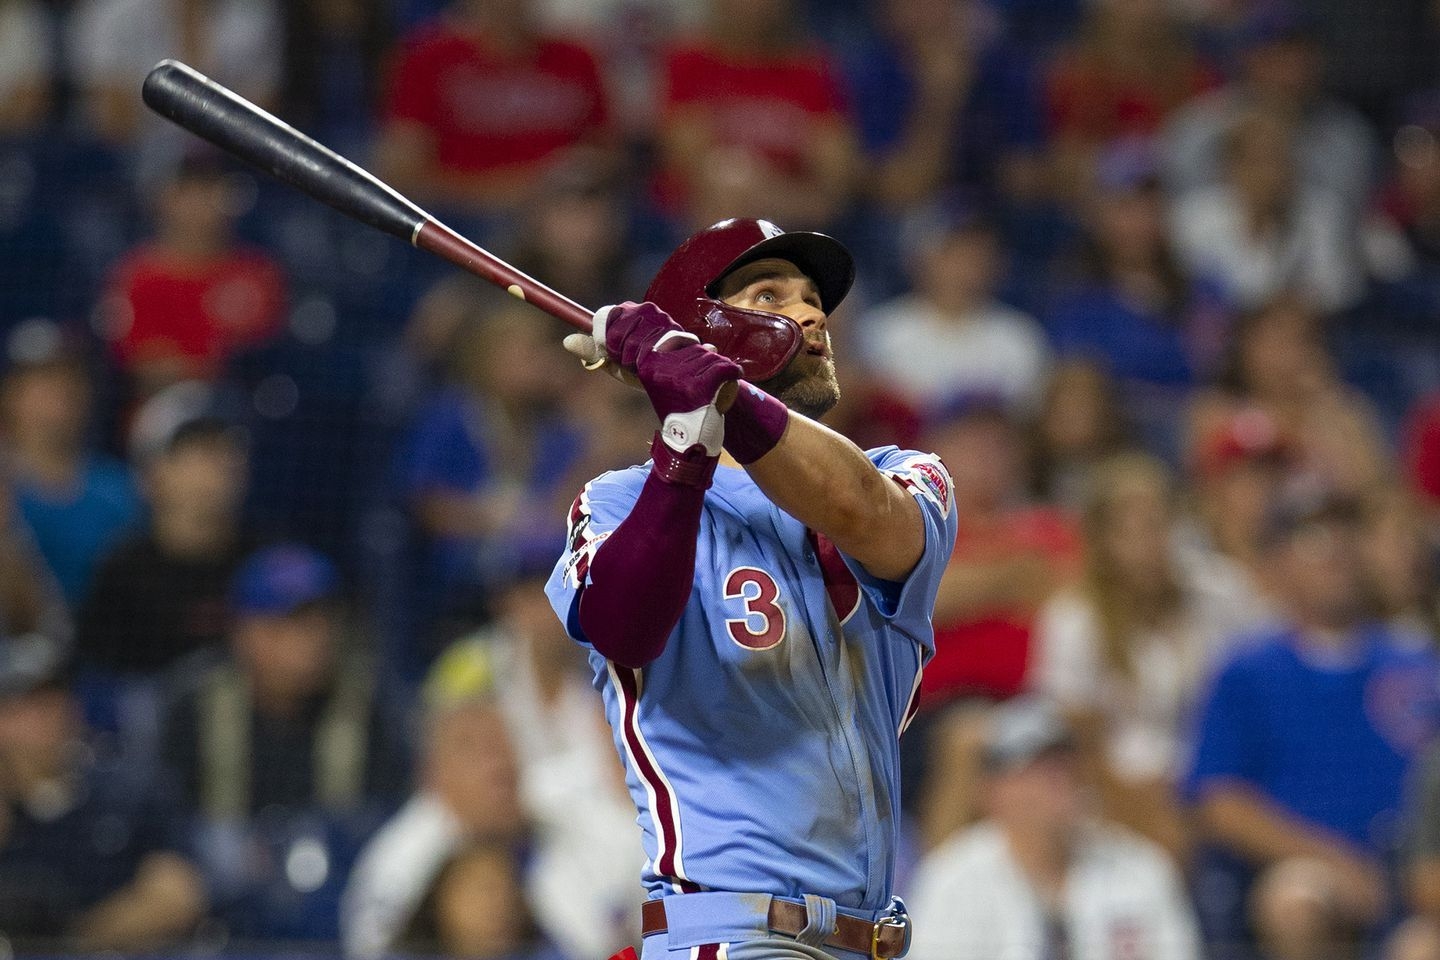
(882, 940)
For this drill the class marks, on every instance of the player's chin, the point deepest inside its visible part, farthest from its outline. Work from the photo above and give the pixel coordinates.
(813, 392)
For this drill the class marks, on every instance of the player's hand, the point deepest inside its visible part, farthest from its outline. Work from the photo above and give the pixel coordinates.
(681, 376)
(619, 335)
(593, 356)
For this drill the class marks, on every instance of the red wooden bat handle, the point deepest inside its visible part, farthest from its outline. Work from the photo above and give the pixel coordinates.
(440, 240)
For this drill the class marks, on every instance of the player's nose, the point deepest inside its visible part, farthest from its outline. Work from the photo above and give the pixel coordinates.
(810, 319)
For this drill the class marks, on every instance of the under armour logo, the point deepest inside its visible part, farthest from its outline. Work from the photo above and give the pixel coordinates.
(677, 433)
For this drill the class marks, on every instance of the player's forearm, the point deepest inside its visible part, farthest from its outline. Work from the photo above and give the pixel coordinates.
(642, 575)
(827, 483)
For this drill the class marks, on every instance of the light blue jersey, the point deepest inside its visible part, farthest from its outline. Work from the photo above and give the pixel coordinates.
(762, 745)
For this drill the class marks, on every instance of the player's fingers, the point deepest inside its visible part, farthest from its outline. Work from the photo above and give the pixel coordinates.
(585, 347)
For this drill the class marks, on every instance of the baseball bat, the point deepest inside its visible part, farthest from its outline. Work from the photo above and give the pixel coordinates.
(185, 96)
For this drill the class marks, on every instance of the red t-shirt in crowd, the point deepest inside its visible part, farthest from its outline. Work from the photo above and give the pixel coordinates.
(201, 312)
(989, 655)
(489, 109)
(768, 107)
(1089, 102)
(1422, 448)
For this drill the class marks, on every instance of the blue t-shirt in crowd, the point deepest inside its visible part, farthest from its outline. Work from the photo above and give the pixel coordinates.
(75, 528)
(1001, 113)
(1133, 343)
(1331, 742)
(450, 451)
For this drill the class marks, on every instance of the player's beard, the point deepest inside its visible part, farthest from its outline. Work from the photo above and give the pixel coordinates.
(808, 385)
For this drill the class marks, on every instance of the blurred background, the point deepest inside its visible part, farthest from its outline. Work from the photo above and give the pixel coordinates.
(1159, 279)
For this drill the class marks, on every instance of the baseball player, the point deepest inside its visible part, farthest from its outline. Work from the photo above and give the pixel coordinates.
(756, 601)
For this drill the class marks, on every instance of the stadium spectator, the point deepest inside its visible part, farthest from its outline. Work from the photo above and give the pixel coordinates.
(1009, 557)
(1041, 877)
(1081, 421)
(575, 235)
(1126, 651)
(1127, 69)
(1281, 69)
(25, 67)
(476, 909)
(331, 71)
(1261, 232)
(483, 462)
(284, 742)
(112, 44)
(468, 792)
(580, 878)
(1236, 469)
(89, 855)
(480, 102)
(940, 98)
(1305, 742)
(178, 306)
(973, 343)
(1132, 308)
(753, 121)
(159, 595)
(1400, 565)
(76, 501)
(1280, 364)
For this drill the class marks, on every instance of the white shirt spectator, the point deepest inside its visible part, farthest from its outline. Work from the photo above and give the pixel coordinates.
(1335, 148)
(25, 46)
(1123, 899)
(582, 882)
(582, 878)
(930, 358)
(1316, 254)
(1145, 717)
(114, 44)
(393, 875)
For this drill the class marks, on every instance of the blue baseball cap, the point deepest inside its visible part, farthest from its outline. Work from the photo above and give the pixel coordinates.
(279, 580)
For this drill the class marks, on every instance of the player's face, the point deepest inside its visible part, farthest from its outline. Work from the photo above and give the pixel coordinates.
(808, 384)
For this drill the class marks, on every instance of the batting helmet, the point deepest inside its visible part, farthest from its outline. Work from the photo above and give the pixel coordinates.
(762, 343)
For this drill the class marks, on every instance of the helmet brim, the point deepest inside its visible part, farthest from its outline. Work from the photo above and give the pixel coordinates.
(821, 258)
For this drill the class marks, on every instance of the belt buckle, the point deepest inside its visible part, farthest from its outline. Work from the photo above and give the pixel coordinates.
(897, 918)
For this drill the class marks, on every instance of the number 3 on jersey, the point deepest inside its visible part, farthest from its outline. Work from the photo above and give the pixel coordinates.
(760, 593)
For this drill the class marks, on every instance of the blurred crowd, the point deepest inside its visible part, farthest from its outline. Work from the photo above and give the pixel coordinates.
(1158, 279)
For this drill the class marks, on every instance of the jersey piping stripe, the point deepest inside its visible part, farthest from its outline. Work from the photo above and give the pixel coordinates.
(664, 809)
(840, 584)
(913, 707)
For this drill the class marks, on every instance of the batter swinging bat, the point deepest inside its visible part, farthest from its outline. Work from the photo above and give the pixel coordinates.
(189, 98)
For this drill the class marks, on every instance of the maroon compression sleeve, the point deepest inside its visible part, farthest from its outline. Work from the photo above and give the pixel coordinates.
(641, 576)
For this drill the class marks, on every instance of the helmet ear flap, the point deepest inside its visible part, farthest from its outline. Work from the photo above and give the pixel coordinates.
(762, 343)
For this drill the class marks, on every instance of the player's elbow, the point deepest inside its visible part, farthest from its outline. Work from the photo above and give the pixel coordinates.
(616, 636)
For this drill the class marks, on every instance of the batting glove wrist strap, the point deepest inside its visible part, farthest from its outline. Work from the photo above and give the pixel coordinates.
(754, 424)
(692, 468)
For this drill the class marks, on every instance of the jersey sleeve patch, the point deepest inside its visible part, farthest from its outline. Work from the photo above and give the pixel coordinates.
(925, 475)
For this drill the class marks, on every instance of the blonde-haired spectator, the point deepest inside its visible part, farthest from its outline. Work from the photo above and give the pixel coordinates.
(1126, 650)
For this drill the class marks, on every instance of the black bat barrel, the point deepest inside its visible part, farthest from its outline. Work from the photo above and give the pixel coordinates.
(189, 98)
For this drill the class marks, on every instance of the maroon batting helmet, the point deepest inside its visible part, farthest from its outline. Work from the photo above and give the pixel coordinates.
(762, 343)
